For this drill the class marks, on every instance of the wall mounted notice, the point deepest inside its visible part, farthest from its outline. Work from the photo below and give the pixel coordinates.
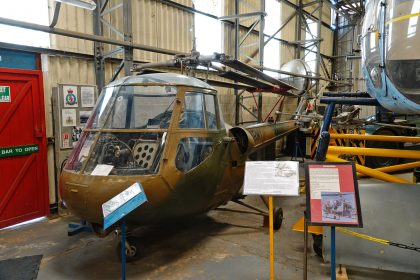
(84, 116)
(5, 94)
(70, 96)
(272, 178)
(332, 194)
(66, 140)
(18, 150)
(323, 180)
(68, 116)
(87, 95)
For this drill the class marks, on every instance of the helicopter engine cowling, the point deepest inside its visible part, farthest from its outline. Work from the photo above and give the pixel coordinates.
(255, 137)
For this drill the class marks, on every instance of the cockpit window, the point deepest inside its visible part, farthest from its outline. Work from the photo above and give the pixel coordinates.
(402, 46)
(370, 43)
(199, 111)
(102, 108)
(192, 115)
(129, 153)
(192, 151)
(211, 111)
(142, 107)
(80, 152)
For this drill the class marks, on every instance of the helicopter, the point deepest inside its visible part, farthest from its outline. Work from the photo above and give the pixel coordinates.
(167, 132)
(390, 57)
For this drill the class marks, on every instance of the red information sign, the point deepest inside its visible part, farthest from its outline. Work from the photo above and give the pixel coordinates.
(332, 194)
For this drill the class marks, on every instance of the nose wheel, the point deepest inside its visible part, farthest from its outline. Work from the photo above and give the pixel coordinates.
(277, 213)
(132, 249)
(278, 218)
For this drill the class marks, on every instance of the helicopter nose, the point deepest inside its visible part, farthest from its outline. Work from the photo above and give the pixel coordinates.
(84, 195)
(74, 196)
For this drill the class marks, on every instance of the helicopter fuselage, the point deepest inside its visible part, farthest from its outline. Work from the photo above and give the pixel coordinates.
(168, 136)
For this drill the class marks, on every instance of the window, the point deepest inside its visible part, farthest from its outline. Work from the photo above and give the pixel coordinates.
(310, 53)
(208, 31)
(130, 153)
(333, 18)
(192, 114)
(211, 111)
(192, 151)
(32, 11)
(272, 48)
(140, 107)
(81, 151)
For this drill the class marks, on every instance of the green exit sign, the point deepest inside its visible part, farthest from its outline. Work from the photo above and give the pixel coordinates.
(5, 94)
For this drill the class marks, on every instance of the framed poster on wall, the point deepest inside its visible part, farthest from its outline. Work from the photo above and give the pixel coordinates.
(332, 196)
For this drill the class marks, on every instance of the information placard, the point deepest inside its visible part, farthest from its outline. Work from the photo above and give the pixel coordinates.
(279, 178)
(122, 204)
(332, 194)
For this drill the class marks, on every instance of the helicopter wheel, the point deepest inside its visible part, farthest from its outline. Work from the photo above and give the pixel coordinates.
(132, 249)
(278, 217)
(317, 244)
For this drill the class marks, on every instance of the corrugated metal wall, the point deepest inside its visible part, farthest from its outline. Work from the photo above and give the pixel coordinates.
(154, 24)
(74, 19)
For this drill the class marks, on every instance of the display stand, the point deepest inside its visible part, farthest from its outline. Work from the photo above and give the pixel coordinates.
(75, 228)
(332, 252)
(332, 200)
(305, 249)
(271, 232)
(123, 239)
(117, 208)
(272, 178)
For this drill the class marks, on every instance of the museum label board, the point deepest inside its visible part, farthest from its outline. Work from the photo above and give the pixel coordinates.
(271, 178)
(332, 194)
(122, 204)
(278, 178)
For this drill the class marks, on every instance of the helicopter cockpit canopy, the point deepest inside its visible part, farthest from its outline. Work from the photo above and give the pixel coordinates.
(402, 47)
(393, 57)
(129, 126)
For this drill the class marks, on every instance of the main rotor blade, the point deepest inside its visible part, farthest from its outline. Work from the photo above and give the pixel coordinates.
(245, 68)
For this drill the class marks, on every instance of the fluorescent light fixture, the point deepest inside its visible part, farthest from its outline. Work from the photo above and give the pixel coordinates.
(86, 4)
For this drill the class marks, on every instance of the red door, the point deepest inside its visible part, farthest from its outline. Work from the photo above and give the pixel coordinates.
(23, 153)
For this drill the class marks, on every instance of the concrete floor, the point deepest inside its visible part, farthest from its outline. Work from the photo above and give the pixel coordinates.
(220, 245)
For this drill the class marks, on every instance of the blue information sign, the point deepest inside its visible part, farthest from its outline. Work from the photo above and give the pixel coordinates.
(122, 204)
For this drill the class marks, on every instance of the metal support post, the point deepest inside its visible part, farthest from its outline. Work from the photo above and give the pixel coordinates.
(271, 231)
(261, 154)
(261, 33)
(305, 249)
(237, 106)
(236, 56)
(324, 138)
(298, 30)
(123, 240)
(128, 37)
(318, 46)
(98, 48)
(332, 253)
